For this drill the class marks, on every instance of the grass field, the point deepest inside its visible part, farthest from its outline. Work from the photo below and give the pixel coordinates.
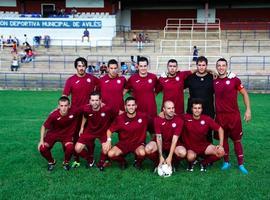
(24, 175)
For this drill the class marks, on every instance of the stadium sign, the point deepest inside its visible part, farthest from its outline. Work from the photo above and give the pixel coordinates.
(92, 24)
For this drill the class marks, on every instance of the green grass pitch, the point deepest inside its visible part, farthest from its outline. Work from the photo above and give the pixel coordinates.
(24, 174)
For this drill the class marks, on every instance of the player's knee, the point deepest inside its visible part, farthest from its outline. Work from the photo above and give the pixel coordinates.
(69, 146)
(141, 152)
(78, 148)
(220, 152)
(181, 152)
(111, 154)
(191, 157)
(148, 149)
(43, 148)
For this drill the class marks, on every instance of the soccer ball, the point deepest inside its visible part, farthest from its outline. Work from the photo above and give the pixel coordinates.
(164, 170)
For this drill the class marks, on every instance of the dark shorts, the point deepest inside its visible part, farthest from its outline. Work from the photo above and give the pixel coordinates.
(167, 147)
(127, 147)
(198, 149)
(89, 139)
(51, 139)
(232, 125)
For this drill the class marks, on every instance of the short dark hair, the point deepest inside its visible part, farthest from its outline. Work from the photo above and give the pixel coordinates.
(95, 93)
(64, 98)
(222, 59)
(142, 59)
(202, 59)
(196, 101)
(80, 59)
(130, 98)
(112, 62)
(172, 61)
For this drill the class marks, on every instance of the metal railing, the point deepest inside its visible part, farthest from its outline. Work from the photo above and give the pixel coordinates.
(249, 63)
(244, 45)
(54, 81)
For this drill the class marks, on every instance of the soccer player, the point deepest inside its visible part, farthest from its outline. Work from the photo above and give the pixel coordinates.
(200, 85)
(112, 87)
(173, 85)
(131, 127)
(168, 130)
(143, 86)
(196, 127)
(59, 126)
(79, 86)
(96, 121)
(227, 112)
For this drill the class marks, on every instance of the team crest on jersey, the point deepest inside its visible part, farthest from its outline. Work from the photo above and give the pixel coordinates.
(107, 81)
(217, 82)
(173, 125)
(103, 114)
(177, 78)
(70, 116)
(118, 81)
(88, 80)
(140, 120)
(228, 82)
(202, 122)
(150, 80)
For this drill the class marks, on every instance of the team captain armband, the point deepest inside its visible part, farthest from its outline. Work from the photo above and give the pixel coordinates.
(240, 87)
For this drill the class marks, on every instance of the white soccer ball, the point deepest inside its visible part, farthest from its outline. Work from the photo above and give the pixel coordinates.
(164, 170)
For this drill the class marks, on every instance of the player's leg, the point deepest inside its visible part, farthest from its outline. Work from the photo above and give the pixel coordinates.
(69, 148)
(116, 154)
(180, 153)
(151, 152)
(191, 156)
(103, 161)
(212, 154)
(139, 156)
(45, 150)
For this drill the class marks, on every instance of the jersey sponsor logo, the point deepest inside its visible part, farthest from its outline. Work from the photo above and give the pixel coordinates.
(228, 82)
(70, 116)
(167, 80)
(137, 81)
(202, 122)
(202, 79)
(90, 115)
(126, 123)
(177, 78)
(88, 80)
(58, 118)
(173, 125)
(163, 123)
(217, 82)
(139, 120)
(77, 81)
(107, 81)
(103, 114)
(118, 81)
(150, 80)
(189, 120)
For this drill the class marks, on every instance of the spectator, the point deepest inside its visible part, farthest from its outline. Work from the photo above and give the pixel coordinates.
(146, 38)
(124, 68)
(86, 34)
(103, 68)
(25, 43)
(140, 41)
(9, 41)
(134, 37)
(73, 12)
(195, 54)
(37, 40)
(14, 48)
(133, 68)
(14, 64)
(47, 41)
(17, 41)
(2, 41)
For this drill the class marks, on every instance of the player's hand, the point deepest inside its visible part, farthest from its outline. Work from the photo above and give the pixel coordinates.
(81, 131)
(161, 114)
(161, 161)
(41, 143)
(168, 161)
(107, 146)
(247, 116)
(220, 151)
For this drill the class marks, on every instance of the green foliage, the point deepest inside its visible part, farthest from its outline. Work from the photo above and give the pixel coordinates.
(23, 173)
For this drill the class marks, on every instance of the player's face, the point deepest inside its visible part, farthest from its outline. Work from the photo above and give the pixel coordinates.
(142, 67)
(172, 68)
(95, 102)
(169, 109)
(80, 68)
(113, 70)
(222, 67)
(131, 107)
(63, 107)
(201, 67)
(196, 110)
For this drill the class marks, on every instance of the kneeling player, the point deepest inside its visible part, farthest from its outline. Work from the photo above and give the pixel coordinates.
(168, 130)
(96, 121)
(196, 127)
(59, 126)
(131, 126)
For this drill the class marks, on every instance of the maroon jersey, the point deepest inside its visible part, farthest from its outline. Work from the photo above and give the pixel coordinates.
(131, 130)
(143, 89)
(112, 91)
(168, 128)
(97, 121)
(226, 91)
(61, 125)
(173, 88)
(80, 89)
(195, 130)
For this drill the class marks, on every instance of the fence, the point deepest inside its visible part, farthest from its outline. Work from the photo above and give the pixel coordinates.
(250, 63)
(57, 81)
(248, 45)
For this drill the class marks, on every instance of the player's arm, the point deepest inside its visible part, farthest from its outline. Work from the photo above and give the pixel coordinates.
(221, 136)
(193, 71)
(125, 91)
(43, 132)
(244, 93)
(159, 145)
(82, 125)
(173, 145)
(108, 143)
